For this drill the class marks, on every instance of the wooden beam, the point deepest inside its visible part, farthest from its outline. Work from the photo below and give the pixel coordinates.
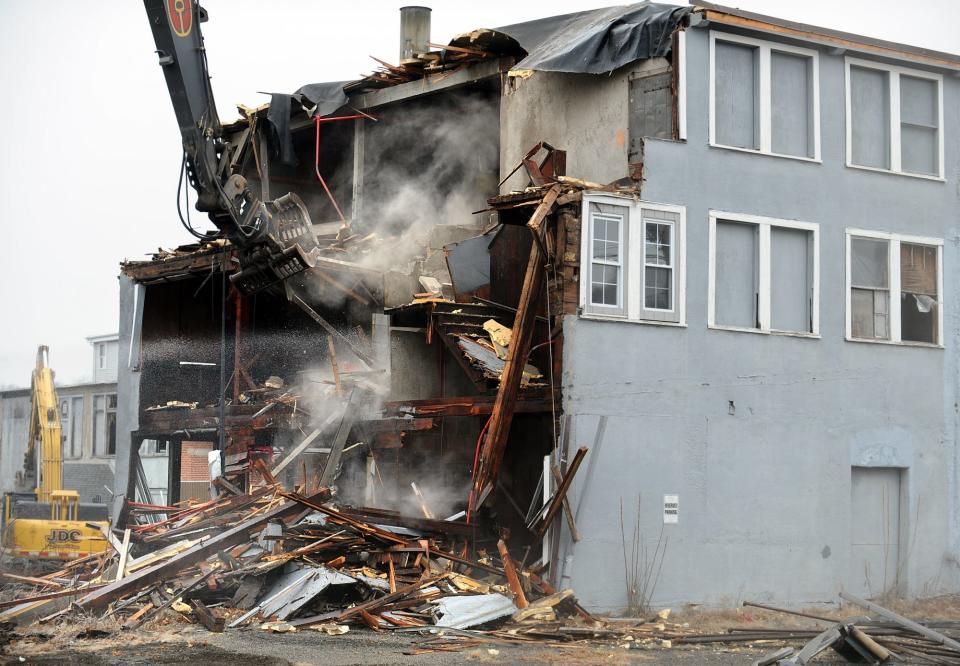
(521, 340)
(328, 327)
(561, 493)
(474, 405)
(124, 554)
(513, 580)
(567, 511)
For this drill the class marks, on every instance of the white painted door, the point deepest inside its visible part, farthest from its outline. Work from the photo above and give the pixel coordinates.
(874, 530)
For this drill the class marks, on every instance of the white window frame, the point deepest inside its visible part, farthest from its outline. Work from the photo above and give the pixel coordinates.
(101, 356)
(682, 85)
(633, 260)
(893, 271)
(894, 72)
(764, 91)
(764, 309)
(620, 264)
(644, 221)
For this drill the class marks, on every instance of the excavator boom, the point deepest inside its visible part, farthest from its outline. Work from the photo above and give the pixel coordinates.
(274, 239)
(44, 458)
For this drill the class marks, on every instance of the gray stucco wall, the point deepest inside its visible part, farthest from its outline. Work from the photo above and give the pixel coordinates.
(756, 433)
(584, 114)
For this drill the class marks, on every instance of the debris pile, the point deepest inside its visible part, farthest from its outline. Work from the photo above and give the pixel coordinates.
(287, 561)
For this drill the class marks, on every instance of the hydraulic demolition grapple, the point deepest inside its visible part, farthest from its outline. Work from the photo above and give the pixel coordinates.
(274, 239)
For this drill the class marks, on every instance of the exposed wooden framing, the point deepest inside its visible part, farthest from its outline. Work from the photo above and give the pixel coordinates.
(473, 374)
(177, 267)
(163, 570)
(561, 493)
(513, 580)
(522, 338)
(474, 405)
(430, 84)
(297, 450)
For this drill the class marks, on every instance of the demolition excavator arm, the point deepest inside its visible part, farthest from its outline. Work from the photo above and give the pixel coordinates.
(274, 239)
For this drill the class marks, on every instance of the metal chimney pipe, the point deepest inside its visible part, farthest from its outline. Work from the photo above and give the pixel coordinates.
(414, 32)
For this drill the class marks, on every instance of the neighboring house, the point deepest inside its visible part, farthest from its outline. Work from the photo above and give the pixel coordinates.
(88, 421)
(757, 343)
(104, 357)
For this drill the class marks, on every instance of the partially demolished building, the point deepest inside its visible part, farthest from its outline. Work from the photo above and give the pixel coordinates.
(707, 246)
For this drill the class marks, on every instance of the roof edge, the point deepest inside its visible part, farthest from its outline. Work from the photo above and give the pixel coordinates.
(826, 36)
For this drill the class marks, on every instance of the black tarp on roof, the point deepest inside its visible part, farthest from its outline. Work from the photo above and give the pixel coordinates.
(597, 41)
(592, 42)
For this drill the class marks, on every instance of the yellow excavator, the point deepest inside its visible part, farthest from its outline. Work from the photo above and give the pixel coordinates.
(41, 520)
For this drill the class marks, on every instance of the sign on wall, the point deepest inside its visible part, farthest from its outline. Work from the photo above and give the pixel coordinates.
(671, 509)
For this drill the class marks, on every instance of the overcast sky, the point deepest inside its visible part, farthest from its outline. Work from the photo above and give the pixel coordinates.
(92, 151)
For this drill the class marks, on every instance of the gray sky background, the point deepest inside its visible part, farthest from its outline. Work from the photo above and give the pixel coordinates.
(91, 151)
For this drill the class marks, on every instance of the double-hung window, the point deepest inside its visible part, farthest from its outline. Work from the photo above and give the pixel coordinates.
(764, 274)
(894, 288)
(632, 259)
(894, 119)
(764, 97)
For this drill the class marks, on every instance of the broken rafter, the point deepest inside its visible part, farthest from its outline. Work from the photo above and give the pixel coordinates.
(495, 443)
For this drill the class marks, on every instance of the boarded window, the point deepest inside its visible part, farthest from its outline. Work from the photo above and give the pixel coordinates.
(870, 117)
(791, 279)
(737, 108)
(919, 119)
(736, 267)
(869, 289)
(918, 293)
(791, 104)
(651, 110)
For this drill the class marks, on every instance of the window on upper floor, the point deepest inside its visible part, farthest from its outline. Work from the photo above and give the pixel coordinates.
(764, 274)
(894, 119)
(893, 288)
(101, 356)
(633, 260)
(105, 424)
(764, 97)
